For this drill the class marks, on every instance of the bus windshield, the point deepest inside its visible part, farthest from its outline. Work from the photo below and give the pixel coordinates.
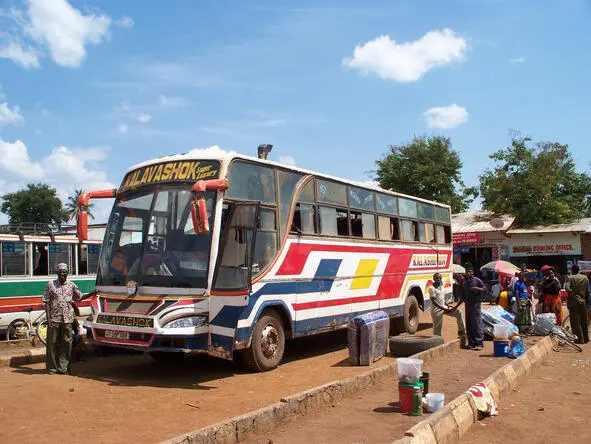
(150, 239)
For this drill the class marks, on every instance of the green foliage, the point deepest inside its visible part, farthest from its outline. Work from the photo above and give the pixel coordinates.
(539, 186)
(36, 203)
(72, 207)
(426, 167)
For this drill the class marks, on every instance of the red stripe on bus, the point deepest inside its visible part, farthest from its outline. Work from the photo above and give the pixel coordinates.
(335, 302)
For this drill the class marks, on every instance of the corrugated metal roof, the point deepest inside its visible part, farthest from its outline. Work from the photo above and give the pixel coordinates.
(480, 221)
(583, 225)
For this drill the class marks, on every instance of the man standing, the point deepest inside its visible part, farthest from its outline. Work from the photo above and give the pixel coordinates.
(577, 287)
(439, 307)
(57, 299)
(473, 289)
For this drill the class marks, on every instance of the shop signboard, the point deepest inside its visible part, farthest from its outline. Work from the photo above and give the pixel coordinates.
(466, 238)
(544, 244)
(584, 265)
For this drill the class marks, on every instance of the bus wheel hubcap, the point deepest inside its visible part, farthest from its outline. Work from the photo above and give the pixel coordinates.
(270, 341)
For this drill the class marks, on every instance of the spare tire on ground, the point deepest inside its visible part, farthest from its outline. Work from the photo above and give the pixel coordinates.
(408, 345)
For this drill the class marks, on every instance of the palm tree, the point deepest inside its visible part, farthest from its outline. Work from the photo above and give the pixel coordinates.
(72, 207)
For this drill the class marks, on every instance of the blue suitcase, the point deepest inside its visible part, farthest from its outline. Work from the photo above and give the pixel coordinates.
(368, 337)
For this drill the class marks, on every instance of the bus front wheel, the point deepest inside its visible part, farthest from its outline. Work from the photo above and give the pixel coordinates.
(268, 343)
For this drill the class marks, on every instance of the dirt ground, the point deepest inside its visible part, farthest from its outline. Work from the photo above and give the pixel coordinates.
(552, 406)
(130, 398)
(373, 417)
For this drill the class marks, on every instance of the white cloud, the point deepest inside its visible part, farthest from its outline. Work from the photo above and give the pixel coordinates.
(446, 116)
(520, 59)
(65, 169)
(27, 57)
(125, 22)
(171, 102)
(144, 118)
(65, 30)
(122, 128)
(288, 160)
(54, 27)
(14, 158)
(10, 116)
(407, 62)
(213, 150)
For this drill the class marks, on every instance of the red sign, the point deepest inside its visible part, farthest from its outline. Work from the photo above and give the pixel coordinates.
(466, 238)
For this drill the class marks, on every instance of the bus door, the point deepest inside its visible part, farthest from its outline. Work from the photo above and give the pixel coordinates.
(232, 279)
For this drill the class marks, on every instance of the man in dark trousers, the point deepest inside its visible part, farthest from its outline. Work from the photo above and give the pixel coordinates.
(58, 297)
(577, 287)
(473, 289)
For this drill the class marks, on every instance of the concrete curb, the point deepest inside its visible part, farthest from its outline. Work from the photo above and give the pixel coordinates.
(23, 357)
(238, 428)
(450, 423)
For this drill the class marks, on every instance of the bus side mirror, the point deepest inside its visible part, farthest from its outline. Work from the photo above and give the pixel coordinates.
(82, 225)
(199, 215)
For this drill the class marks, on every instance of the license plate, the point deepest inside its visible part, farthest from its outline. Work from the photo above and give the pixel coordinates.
(113, 334)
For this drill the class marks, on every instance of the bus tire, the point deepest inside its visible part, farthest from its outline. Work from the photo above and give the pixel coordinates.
(404, 346)
(267, 345)
(411, 315)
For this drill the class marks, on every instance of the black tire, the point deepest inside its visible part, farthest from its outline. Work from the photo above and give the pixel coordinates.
(17, 328)
(411, 315)
(408, 345)
(166, 357)
(41, 331)
(268, 343)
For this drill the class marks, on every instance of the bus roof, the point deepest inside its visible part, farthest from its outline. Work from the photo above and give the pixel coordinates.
(225, 157)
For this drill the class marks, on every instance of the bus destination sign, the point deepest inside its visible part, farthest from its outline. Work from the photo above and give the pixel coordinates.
(177, 171)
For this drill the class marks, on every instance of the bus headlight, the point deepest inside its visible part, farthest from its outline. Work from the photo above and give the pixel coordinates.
(192, 321)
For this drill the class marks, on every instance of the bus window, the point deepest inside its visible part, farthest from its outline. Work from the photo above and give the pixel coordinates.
(58, 253)
(388, 228)
(410, 230)
(447, 230)
(287, 182)
(386, 204)
(440, 234)
(361, 199)
(266, 241)
(331, 192)
(442, 214)
(13, 259)
(40, 260)
(334, 222)
(426, 211)
(248, 181)
(427, 233)
(92, 257)
(304, 219)
(408, 208)
(307, 193)
(363, 225)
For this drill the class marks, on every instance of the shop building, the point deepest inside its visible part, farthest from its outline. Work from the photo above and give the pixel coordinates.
(481, 236)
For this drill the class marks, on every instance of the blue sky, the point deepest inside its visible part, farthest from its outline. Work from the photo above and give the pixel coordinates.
(90, 88)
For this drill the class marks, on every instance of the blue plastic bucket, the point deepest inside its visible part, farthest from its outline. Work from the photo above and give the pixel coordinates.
(500, 348)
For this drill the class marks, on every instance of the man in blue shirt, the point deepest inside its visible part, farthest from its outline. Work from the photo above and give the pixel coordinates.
(473, 289)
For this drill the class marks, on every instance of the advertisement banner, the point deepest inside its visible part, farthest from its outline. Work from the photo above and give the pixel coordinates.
(544, 244)
(466, 238)
(584, 265)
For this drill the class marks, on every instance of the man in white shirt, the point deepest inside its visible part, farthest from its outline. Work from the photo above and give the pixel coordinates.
(439, 307)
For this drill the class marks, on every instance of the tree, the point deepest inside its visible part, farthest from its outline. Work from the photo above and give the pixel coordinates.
(36, 203)
(426, 167)
(72, 207)
(539, 185)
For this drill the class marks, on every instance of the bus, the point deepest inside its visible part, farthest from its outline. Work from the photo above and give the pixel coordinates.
(28, 260)
(222, 253)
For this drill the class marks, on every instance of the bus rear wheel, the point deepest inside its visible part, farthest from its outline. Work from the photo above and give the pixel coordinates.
(268, 343)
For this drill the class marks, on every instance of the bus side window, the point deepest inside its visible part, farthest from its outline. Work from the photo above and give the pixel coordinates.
(304, 219)
(334, 222)
(266, 241)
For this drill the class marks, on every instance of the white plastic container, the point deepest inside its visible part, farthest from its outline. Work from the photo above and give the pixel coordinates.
(409, 369)
(501, 331)
(435, 401)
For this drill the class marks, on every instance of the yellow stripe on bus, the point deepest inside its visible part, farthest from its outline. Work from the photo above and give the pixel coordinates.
(364, 274)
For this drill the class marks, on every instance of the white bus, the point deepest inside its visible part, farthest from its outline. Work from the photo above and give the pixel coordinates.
(214, 252)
